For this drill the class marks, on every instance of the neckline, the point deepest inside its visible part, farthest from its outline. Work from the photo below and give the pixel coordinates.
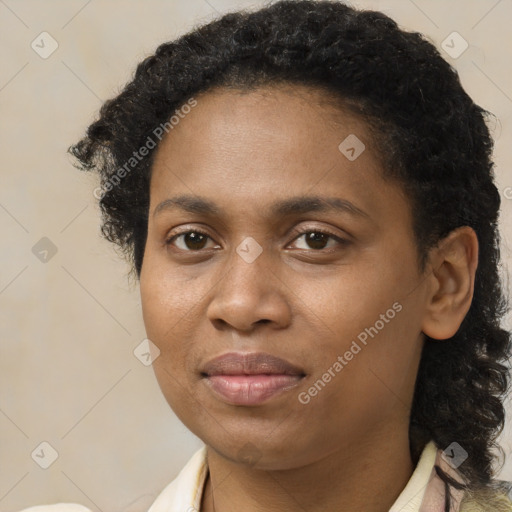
(409, 500)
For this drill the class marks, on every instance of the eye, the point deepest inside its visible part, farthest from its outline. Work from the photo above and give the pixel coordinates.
(195, 240)
(192, 239)
(317, 238)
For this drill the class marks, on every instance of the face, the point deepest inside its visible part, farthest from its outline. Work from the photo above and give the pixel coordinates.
(331, 286)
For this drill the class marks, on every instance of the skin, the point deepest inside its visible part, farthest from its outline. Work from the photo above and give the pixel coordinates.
(306, 302)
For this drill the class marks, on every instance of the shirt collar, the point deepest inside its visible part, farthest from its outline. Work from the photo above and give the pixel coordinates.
(424, 491)
(411, 497)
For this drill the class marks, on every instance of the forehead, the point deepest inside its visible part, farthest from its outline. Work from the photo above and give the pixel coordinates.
(267, 128)
(295, 109)
(241, 147)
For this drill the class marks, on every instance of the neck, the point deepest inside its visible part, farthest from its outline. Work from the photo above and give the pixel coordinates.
(365, 476)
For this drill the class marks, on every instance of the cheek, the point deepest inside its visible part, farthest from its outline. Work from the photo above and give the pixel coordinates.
(154, 304)
(171, 313)
(165, 302)
(164, 315)
(371, 319)
(355, 300)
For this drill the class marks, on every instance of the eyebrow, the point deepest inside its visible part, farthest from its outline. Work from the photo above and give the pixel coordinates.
(291, 206)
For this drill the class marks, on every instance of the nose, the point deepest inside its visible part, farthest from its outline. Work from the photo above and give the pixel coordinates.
(249, 293)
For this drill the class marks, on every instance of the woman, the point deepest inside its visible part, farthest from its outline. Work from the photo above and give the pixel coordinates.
(306, 195)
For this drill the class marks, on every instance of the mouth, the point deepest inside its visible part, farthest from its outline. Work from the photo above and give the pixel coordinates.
(250, 378)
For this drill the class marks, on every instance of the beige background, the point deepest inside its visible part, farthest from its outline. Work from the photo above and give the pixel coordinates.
(69, 326)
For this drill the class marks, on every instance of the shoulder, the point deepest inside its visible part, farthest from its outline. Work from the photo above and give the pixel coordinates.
(183, 493)
(494, 497)
(58, 507)
(493, 500)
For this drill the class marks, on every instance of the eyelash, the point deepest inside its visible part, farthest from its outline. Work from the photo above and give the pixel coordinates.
(341, 241)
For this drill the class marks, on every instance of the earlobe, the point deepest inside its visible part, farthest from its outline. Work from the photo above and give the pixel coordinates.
(454, 262)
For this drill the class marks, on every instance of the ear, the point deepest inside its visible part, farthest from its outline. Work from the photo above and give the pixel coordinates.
(451, 283)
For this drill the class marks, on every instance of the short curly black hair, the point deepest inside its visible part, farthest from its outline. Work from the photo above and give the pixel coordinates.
(437, 146)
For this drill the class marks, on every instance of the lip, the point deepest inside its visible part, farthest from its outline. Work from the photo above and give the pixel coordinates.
(250, 378)
(249, 363)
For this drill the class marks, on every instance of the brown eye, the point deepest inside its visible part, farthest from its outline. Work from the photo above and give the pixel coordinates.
(196, 240)
(317, 239)
(191, 241)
